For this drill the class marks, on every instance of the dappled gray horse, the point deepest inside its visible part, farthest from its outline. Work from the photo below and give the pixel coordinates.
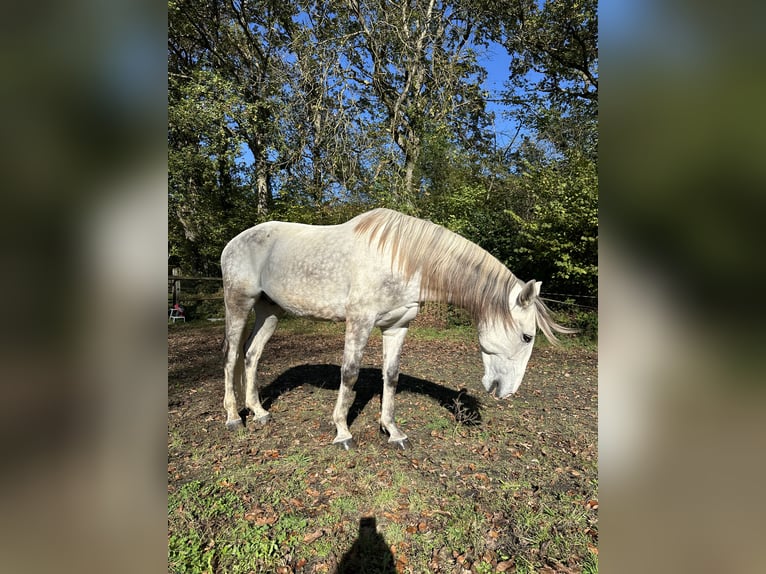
(372, 271)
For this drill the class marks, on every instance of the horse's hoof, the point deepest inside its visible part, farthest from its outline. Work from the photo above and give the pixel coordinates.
(235, 425)
(402, 444)
(263, 420)
(347, 444)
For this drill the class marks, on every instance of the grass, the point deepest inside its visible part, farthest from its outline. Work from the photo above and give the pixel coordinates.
(513, 484)
(211, 533)
(210, 529)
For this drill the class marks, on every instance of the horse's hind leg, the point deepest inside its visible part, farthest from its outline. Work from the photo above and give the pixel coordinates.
(266, 317)
(237, 310)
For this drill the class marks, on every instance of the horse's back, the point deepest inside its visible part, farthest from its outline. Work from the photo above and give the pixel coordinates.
(306, 269)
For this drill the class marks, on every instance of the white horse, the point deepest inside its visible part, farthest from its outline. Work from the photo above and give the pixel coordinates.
(372, 271)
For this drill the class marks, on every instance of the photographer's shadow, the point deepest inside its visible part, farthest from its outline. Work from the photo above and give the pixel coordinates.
(369, 554)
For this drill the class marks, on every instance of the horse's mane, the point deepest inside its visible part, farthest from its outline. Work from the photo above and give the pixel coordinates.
(451, 268)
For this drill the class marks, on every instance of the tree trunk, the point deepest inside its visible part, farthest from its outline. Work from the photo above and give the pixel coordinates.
(263, 187)
(409, 176)
(411, 149)
(262, 175)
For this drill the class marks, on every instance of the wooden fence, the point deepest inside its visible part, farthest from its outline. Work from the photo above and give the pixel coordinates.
(198, 294)
(190, 292)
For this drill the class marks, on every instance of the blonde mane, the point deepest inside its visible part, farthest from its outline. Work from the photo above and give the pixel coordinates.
(452, 269)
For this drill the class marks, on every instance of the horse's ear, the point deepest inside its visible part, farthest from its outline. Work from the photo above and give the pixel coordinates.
(528, 293)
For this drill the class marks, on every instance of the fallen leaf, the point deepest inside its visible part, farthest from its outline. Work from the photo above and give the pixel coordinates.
(503, 566)
(309, 538)
(261, 520)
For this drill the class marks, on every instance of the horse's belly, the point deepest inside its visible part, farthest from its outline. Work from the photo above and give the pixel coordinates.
(315, 308)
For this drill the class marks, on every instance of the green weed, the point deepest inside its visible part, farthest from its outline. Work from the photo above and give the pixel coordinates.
(439, 424)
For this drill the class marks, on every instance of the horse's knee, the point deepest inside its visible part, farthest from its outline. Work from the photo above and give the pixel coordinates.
(348, 375)
(392, 377)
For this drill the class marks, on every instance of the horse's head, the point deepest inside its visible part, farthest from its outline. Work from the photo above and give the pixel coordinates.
(506, 348)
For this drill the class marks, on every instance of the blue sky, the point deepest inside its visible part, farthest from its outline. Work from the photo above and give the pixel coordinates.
(496, 61)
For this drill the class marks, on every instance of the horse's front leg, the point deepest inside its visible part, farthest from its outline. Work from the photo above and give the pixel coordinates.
(357, 334)
(392, 349)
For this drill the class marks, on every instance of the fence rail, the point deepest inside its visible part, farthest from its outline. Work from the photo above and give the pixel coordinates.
(189, 278)
(174, 293)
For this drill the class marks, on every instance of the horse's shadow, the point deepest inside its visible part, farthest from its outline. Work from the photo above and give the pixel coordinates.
(463, 406)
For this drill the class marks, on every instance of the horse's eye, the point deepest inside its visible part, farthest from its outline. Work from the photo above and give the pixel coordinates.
(526, 338)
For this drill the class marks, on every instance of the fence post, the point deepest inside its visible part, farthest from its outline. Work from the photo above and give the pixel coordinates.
(176, 286)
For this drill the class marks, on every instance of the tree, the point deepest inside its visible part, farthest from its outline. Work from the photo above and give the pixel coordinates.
(313, 111)
(326, 147)
(226, 72)
(552, 91)
(553, 83)
(245, 42)
(414, 65)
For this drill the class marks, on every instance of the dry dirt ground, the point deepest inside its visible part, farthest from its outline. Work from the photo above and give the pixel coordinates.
(487, 486)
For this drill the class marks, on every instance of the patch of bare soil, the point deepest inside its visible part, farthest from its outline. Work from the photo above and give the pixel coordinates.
(487, 486)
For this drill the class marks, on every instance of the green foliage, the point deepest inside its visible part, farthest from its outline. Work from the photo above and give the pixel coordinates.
(556, 218)
(315, 112)
(582, 318)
